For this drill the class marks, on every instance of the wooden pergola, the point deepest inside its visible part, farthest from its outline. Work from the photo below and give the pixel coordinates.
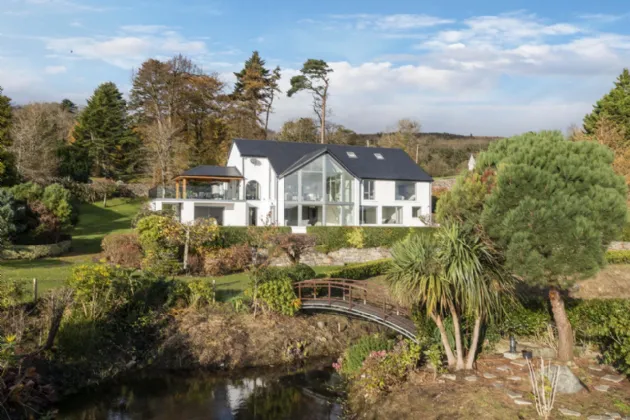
(185, 178)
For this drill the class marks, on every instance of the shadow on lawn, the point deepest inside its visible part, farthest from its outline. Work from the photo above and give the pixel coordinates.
(37, 264)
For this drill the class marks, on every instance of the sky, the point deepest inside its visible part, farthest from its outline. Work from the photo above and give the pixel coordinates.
(486, 67)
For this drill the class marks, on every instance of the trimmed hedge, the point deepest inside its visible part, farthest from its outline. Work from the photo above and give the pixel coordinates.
(33, 252)
(332, 238)
(361, 271)
(237, 235)
(621, 256)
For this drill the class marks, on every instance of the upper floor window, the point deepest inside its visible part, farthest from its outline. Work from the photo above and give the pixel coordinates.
(368, 189)
(252, 191)
(405, 190)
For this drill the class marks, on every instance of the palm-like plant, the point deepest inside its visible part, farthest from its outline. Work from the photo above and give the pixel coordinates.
(452, 273)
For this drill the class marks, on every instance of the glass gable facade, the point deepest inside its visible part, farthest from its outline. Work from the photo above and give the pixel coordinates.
(320, 193)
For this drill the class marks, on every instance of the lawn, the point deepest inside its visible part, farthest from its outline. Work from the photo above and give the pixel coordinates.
(94, 223)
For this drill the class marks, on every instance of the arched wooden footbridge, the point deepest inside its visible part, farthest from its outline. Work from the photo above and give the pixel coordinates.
(356, 297)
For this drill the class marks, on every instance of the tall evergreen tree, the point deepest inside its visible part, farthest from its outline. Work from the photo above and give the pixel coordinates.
(5, 119)
(249, 97)
(315, 79)
(69, 106)
(103, 129)
(614, 106)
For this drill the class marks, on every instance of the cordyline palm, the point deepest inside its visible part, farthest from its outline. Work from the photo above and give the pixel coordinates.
(451, 273)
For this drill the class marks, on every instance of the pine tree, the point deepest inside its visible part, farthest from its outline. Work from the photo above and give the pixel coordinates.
(249, 97)
(5, 119)
(553, 208)
(103, 128)
(614, 106)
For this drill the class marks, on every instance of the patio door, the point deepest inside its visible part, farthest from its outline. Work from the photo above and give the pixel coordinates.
(253, 216)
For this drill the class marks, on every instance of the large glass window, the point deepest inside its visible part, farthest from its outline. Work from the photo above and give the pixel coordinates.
(405, 190)
(391, 215)
(291, 187)
(291, 215)
(369, 215)
(321, 181)
(368, 189)
(252, 191)
(312, 216)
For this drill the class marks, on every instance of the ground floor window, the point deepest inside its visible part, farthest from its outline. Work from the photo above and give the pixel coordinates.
(416, 212)
(369, 215)
(391, 216)
(206, 212)
(253, 216)
(315, 215)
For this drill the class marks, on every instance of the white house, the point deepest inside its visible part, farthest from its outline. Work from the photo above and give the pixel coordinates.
(303, 184)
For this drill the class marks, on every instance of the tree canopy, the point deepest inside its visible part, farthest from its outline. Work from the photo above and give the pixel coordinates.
(103, 129)
(615, 106)
(5, 119)
(315, 79)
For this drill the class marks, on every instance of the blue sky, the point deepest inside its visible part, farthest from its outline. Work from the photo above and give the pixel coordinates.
(482, 67)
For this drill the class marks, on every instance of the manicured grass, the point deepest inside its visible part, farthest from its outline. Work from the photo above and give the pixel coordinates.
(95, 221)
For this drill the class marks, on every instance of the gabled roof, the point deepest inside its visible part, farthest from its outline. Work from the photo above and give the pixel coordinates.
(285, 157)
(209, 171)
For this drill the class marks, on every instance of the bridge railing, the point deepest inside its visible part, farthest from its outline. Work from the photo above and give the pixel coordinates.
(353, 292)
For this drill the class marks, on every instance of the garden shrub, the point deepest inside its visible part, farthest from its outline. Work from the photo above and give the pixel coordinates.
(383, 370)
(33, 252)
(278, 296)
(28, 191)
(160, 238)
(299, 272)
(625, 234)
(354, 356)
(361, 271)
(227, 260)
(201, 292)
(621, 256)
(607, 324)
(332, 238)
(12, 292)
(123, 249)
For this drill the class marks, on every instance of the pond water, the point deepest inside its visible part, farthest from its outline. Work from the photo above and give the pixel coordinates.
(212, 396)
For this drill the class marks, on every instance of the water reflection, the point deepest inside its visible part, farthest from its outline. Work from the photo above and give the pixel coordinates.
(210, 396)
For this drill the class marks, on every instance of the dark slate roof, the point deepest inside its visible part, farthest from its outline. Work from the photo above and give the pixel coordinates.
(283, 156)
(209, 170)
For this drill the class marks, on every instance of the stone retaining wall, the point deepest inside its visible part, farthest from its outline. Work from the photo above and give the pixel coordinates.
(340, 257)
(617, 246)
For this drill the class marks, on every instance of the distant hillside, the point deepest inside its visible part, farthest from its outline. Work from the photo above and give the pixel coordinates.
(440, 154)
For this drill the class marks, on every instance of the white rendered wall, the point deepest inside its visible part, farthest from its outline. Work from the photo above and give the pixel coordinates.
(385, 196)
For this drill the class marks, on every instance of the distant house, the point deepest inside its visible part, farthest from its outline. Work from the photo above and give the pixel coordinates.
(303, 184)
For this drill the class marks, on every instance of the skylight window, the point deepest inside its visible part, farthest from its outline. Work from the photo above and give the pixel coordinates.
(379, 156)
(351, 155)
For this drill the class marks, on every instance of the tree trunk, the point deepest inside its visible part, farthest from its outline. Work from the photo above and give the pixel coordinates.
(267, 118)
(450, 357)
(186, 245)
(565, 332)
(472, 351)
(323, 131)
(458, 339)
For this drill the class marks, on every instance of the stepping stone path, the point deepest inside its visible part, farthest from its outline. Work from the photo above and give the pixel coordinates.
(503, 368)
(450, 377)
(595, 368)
(489, 375)
(512, 356)
(598, 417)
(522, 402)
(569, 413)
(519, 363)
(602, 388)
(612, 378)
(498, 385)
(614, 415)
(514, 395)
(470, 378)
(514, 378)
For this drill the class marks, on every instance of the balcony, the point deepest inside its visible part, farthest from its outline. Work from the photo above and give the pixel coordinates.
(214, 191)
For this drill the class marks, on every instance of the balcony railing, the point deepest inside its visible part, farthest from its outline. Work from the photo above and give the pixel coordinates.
(197, 193)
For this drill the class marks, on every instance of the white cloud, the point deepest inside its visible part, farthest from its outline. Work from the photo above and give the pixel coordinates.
(125, 51)
(603, 17)
(394, 22)
(144, 29)
(55, 69)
